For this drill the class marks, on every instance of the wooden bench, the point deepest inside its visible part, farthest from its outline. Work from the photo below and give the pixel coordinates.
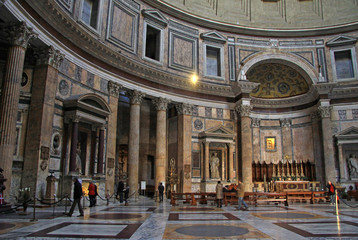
(299, 196)
(318, 196)
(270, 197)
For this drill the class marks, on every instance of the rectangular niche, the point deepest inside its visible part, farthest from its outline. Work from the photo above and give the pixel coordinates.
(122, 25)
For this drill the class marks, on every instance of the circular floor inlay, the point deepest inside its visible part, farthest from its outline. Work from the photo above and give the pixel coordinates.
(116, 216)
(288, 215)
(6, 226)
(212, 231)
(196, 209)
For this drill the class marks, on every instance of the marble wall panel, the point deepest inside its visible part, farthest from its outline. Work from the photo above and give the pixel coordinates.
(212, 123)
(270, 123)
(201, 111)
(305, 119)
(302, 141)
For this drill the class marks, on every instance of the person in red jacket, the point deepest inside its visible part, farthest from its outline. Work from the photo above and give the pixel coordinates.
(92, 194)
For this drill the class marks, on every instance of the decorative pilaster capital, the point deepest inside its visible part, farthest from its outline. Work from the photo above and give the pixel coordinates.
(285, 122)
(161, 104)
(315, 116)
(324, 111)
(114, 88)
(243, 110)
(255, 122)
(19, 34)
(50, 56)
(135, 97)
(184, 108)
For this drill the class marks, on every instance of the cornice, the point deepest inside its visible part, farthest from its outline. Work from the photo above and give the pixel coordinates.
(246, 30)
(76, 37)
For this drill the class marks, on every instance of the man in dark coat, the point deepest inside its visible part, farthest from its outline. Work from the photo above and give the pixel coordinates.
(120, 190)
(161, 191)
(77, 195)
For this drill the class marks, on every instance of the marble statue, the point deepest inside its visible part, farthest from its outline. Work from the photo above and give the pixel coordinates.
(214, 166)
(353, 166)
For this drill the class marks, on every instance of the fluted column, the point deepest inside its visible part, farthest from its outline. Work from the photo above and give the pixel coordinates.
(114, 93)
(328, 153)
(161, 105)
(185, 111)
(41, 116)
(246, 144)
(136, 98)
(19, 36)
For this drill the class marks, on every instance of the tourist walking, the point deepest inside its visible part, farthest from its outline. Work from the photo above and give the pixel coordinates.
(77, 195)
(240, 195)
(161, 192)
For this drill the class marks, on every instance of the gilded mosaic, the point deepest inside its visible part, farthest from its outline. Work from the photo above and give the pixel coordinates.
(276, 81)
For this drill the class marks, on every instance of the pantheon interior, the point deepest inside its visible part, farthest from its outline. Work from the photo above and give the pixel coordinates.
(145, 91)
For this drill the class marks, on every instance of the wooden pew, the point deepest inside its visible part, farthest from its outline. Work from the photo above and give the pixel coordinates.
(270, 197)
(299, 196)
(318, 196)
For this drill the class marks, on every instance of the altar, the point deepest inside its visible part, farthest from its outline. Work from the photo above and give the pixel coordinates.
(284, 186)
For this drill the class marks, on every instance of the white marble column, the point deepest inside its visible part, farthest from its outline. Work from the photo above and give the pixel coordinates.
(19, 36)
(135, 98)
(161, 104)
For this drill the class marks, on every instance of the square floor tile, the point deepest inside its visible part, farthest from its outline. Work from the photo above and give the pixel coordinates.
(201, 217)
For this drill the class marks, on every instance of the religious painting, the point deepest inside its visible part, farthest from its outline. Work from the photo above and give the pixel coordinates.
(270, 144)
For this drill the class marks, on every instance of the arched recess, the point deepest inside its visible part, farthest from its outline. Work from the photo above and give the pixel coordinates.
(301, 66)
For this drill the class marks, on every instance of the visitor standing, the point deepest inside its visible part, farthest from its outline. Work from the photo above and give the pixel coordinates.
(219, 194)
(120, 190)
(161, 191)
(92, 194)
(331, 191)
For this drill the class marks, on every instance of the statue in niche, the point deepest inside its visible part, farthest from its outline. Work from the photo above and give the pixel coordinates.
(78, 159)
(214, 166)
(353, 166)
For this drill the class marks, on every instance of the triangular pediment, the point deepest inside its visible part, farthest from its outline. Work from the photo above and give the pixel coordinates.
(217, 132)
(341, 41)
(213, 36)
(155, 16)
(352, 131)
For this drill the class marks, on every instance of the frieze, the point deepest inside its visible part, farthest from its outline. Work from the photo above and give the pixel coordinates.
(252, 42)
(20, 34)
(161, 104)
(306, 43)
(183, 28)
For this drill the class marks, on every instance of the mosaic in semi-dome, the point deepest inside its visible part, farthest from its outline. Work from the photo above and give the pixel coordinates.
(276, 81)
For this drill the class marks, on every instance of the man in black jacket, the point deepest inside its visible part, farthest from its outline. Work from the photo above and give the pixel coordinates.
(77, 195)
(120, 190)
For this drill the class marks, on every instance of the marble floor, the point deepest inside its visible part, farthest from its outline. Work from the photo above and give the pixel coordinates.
(146, 219)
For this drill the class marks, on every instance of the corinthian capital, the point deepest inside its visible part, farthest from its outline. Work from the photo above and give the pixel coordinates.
(114, 88)
(50, 56)
(184, 108)
(244, 110)
(135, 96)
(161, 103)
(325, 111)
(19, 34)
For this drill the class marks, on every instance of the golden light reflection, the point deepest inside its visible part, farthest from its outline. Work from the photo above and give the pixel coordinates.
(194, 78)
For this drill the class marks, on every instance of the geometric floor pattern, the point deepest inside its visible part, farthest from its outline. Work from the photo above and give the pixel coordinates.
(146, 219)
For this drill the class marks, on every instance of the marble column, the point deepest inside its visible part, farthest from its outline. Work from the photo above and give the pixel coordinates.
(317, 147)
(161, 104)
(231, 162)
(100, 151)
(185, 111)
(135, 98)
(287, 139)
(18, 36)
(41, 116)
(246, 144)
(74, 142)
(328, 153)
(114, 93)
(206, 161)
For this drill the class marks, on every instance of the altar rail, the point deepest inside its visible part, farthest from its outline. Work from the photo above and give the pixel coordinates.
(251, 197)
